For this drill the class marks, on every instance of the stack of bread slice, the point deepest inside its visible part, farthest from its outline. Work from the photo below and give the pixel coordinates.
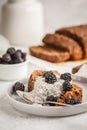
(69, 43)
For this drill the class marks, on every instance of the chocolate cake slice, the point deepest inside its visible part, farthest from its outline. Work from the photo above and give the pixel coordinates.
(63, 41)
(49, 53)
(77, 33)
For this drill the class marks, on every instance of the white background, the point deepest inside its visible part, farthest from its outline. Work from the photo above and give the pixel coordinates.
(59, 13)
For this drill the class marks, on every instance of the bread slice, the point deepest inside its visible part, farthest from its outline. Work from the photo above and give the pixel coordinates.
(49, 53)
(33, 77)
(77, 33)
(75, 93)
(65, 42)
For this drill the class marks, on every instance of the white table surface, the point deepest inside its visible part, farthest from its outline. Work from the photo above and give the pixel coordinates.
(11, 119)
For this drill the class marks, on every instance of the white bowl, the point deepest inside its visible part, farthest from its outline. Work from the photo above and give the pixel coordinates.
(14, 71)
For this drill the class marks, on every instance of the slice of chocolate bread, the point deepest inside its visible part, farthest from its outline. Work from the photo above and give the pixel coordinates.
(71, 45)
(50, 54)
(78, 33)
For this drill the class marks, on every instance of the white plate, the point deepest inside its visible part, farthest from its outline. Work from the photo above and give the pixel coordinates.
(53, 111)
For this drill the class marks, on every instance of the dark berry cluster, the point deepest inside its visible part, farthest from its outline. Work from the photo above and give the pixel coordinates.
(66, 76)
(50, 77)
(51, 98)
(18, 86)
(13, 56)
(73, 101)
(66, 85)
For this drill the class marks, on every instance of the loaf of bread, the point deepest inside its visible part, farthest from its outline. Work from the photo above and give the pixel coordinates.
(65, 42)
(68, 43)
(77, 33)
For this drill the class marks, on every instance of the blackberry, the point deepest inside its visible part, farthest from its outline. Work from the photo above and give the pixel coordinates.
(72, 101)
(77, 101)
(17, 54)
(24, 56)
(0, 60)
(50, 77)
(11, 62)
(18, 60)
(66, 76)
(6, 58)
(51, 98)
(19, 51)
(18, 86)
(11, 50)
(67, 86)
